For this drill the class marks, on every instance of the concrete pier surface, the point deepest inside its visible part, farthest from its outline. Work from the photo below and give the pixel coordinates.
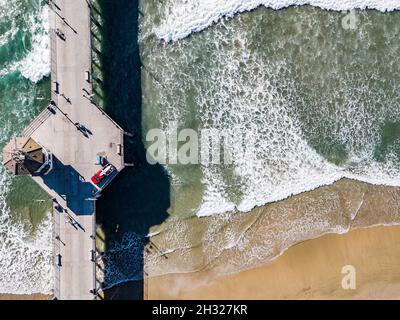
(75, 131)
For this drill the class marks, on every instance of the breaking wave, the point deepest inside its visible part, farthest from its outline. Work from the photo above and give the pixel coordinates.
(34, 63)
(183, 17)
(25, 257)
(315, 119)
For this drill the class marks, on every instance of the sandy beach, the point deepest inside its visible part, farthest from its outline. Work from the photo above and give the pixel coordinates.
(35, 296)
(349, 222)
(309, 270)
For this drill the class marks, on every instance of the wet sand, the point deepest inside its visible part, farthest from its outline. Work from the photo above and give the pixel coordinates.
(308, 270)
(239, 256)
(231, 243)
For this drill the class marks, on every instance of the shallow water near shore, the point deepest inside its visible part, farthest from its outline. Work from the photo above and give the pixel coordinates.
(320, 99)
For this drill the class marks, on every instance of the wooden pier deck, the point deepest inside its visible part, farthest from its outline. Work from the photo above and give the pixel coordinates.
(74, 151)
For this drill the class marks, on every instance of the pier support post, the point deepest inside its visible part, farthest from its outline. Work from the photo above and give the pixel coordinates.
(129, 164)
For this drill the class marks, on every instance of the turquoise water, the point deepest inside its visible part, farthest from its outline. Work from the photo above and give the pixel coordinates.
(320, 99)
(24, 91)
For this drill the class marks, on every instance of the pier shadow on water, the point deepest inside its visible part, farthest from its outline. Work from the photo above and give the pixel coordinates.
(139, 196)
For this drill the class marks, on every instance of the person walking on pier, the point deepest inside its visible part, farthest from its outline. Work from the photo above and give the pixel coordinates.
(60, 34)
(59, 239)
(72, 222)
(66, 99)
(51, 2)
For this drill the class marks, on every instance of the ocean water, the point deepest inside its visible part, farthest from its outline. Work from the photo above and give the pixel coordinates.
(320, 97)
(318, 89)
(25, 228)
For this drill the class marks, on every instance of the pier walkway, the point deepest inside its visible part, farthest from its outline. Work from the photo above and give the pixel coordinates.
(75, 131)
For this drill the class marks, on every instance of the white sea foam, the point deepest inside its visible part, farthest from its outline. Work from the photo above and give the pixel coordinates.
(36, 63)
(25, 263)
(283, 162)
(123, 261)
(183, 17)
(4, 38)
(25, 254)
(297, 167)
(215, 200)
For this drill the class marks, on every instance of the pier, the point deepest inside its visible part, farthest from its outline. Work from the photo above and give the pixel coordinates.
(75, 132)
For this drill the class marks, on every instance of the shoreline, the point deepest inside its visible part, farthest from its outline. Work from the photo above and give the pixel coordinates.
(347, 209)
(235, 242)
(308, 270)
(368, 211)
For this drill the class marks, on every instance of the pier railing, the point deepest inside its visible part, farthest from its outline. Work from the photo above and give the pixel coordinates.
(93, 51)
(53, 46)
(46, 113)
(95, 286)
(56, 252)
(36, 123)
(54, 98)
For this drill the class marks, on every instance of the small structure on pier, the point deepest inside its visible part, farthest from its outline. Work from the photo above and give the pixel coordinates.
(24, 156)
